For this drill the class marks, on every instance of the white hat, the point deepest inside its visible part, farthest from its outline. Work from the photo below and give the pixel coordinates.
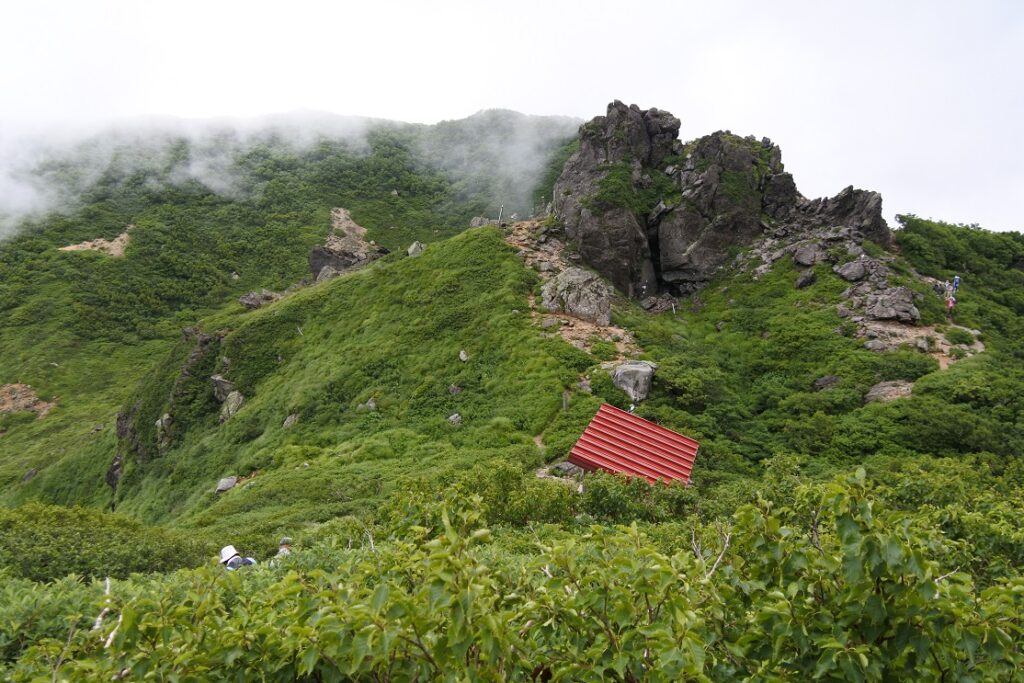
(226, 553)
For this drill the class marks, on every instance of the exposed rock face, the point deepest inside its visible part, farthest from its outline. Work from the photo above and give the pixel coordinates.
(650, 213)
(889, 391)
(221, 387)
(232, 404)
(580, 293)
(346, 247)
(896, 303)
(163, 431)
(635, 378)
(254, 300)
(290, 421)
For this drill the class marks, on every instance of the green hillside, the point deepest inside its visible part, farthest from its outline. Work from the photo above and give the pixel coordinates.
(823, 536)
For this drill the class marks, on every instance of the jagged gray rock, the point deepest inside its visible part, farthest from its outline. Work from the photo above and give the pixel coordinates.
(455, 419)
(254, 300)
(221, 387)
(226, 484)
(232, 404)
(852, 271)
(290, 421)
(875, 345)
(889, 391)
(163, 431)
(416, 248)
(895, 303)
(731, 191)
(635, 378)
(580, 293)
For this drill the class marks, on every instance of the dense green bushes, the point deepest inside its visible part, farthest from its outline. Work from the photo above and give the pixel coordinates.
(44, 542)
(832, 585)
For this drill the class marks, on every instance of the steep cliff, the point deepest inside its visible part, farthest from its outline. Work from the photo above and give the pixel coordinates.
(652, 214)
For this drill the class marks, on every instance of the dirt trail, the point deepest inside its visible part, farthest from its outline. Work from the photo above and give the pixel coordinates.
(547, 255)
(114, 247)
(895, 334)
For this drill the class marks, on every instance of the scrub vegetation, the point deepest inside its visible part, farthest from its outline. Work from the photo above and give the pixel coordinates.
(822, 537)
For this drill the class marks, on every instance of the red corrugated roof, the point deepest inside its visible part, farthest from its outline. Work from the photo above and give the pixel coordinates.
(620, 442)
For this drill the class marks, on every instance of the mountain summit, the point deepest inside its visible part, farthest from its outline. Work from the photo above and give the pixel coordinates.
(653, 214)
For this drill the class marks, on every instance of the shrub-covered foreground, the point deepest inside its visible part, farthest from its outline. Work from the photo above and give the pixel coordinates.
(44, 542)
(833, 586)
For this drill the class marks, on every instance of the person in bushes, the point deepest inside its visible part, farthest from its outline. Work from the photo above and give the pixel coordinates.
(284, 548)
(230, 558)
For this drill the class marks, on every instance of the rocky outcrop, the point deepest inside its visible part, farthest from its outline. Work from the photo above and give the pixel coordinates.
(226, 484)
(580, 293)
(416, 248)
(254, 300)
(652, 214)
(346, 247)
(221, 387)
(635, 378)
(232, 404)
(889, 391)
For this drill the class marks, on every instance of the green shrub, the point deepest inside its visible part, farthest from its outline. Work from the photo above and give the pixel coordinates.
(45, 542)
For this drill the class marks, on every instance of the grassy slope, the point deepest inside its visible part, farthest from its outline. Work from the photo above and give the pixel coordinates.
(392, 332)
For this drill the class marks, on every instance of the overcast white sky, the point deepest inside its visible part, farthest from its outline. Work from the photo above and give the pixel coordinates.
(922, 101)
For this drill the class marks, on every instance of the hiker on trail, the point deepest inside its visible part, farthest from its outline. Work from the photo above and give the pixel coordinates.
(950, 303)
(956, 283)
(230, 558)
(284, 548)
(949, 288)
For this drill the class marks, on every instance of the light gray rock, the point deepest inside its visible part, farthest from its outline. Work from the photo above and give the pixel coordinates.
(226, 484)
(327, 272)
(221, 387)
(254, 300)
(416, 248)
(580, 293)
(896, 303)
(455, 419)
(852, 271)
(635, 378)
(163, 431)
(463, 356)
(808, 254)
(889, 391)
(875, 345)
(290, 421)
(232, 404)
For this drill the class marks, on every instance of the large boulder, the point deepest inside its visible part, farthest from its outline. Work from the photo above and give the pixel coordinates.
(895, 303)
(226, 484)
(221, 387)
(232, 404)
(614, 151)
(580, 293)
(889, 391)
(635, 378)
